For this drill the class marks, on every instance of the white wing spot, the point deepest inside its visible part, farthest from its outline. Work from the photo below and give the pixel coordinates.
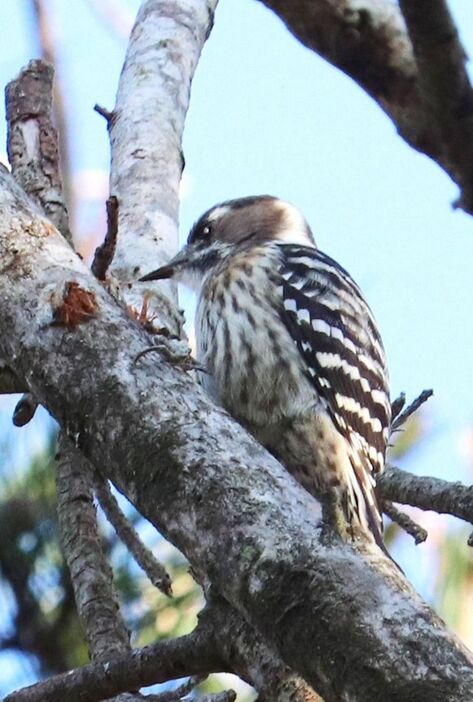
(303, 315)
(379, 397)
(319, 325)
(290, 305)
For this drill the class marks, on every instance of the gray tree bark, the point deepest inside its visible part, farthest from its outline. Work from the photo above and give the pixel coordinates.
(211, 489)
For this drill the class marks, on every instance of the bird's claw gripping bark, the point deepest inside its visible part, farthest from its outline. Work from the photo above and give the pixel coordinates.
(174, 351)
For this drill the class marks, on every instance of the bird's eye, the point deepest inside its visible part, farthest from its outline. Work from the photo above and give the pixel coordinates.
(200, 234)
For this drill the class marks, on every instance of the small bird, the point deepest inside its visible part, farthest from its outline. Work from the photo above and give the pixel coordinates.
(291, 350)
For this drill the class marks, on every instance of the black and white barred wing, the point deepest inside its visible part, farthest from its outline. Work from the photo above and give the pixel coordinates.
(337, 336)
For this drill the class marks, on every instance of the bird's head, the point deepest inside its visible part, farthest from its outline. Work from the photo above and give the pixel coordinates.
(230, 227)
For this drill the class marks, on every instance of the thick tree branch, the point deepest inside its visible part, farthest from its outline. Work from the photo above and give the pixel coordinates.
(161, 45)
(189, 655)
(9, 383)
(212, 490)
(445, 85)
(278, 682)
(367, 40)
(91, 574)
(247, 654)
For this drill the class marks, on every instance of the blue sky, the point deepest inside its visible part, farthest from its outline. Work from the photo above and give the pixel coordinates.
(269, 116)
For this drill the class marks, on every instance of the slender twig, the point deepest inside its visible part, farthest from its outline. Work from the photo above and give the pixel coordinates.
(178, 692)
(427, 493)
(25, 410)
(155, 571)
(115, 17)
(418, 533)
(104, 254)
(410, 409)
(397, 405)
(225, 696)
(91, 574)
(106, 114)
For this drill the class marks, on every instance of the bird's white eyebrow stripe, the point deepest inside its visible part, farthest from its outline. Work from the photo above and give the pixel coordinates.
(218, 212)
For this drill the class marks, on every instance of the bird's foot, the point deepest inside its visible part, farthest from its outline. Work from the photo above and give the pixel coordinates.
(174, 351)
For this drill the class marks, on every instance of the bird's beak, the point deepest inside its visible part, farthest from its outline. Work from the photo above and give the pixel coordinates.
(159, 274)
(173, 266)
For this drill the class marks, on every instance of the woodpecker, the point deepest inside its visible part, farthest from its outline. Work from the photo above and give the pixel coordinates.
(291, 349)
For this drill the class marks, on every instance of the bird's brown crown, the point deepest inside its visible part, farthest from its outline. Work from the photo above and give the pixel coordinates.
(255, 219)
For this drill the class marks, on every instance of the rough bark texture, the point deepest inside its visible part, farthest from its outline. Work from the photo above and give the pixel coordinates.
(427, 493)
(220, 642)
(9, 383)
(98, 681)
(94, 588)
(90, 570)
(347, 621)
(32, 141)
(368, 40)
(185, 464)
(34, 157)
(445, 85)
(251, 658)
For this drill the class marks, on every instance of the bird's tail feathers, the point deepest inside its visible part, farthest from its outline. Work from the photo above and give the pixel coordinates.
(365, 507)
